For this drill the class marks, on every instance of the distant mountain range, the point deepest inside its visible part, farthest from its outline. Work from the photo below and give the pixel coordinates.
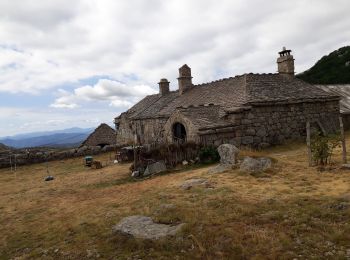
(61, 138)
(333, 68)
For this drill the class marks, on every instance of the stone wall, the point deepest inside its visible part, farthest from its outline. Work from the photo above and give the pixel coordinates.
(258, 126)
(31, 156)
(149, 131)
(267, 125)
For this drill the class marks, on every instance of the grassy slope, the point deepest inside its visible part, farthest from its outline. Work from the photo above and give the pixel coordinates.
(291, 211)
(330, 69)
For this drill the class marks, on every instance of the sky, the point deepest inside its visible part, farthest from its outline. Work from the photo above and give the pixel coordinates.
(79, 63)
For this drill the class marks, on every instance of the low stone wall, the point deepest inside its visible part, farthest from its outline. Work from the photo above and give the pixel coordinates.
(31, 156)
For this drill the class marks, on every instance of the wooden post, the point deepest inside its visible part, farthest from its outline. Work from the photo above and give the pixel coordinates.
(11, 161)
(135, 152)
(343, 139)
(308, 142)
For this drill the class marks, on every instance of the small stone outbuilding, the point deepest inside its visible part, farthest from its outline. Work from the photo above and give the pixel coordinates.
(102, 136)
(247, 110)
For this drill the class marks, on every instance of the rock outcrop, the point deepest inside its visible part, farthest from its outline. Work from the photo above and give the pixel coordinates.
(143, 227)
(228, 158)
(252, 165)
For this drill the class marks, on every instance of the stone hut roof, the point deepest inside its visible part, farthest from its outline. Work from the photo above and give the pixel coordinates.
(342, 90)
(230, 94)
(103, 135)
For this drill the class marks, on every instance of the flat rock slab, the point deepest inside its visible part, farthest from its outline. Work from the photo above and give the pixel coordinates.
(255, 165)
(220, 168)
(155, 168)
(143, 227)
(188, 184)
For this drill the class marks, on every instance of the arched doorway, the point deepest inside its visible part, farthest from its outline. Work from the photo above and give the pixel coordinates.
(179, 133)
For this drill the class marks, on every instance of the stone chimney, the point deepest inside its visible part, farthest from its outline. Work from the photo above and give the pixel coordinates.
(185, 78)
(163, 87)
(285, 63)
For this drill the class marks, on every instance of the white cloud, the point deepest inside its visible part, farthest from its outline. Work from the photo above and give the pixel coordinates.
(64, 41)
(58, 43)
(117, 93)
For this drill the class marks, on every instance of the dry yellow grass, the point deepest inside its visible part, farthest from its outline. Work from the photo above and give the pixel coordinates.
(293, 211)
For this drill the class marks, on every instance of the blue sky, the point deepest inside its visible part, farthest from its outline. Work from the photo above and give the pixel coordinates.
(80, 63)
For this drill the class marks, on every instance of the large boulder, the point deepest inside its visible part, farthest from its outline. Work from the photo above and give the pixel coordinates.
(228, 158)
(155, 168)
(252, 165)
(228, 154)
(143, 227)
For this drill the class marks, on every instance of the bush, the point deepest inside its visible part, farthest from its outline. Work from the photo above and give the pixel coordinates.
(322, 147)
(209, 154)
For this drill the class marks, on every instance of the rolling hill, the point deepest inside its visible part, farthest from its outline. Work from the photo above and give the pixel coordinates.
(333, 68)
(61, 138)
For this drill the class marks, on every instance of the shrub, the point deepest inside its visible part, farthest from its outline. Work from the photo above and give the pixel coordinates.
(209, 154)
(322, 147)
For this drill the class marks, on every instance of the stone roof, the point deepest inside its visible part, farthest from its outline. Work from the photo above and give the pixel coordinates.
(103, 135)
(204, 116)
(343, 91)
(231, 94)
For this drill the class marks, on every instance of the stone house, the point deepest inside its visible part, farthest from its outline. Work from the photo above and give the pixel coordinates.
(251, 110)
(102, 136)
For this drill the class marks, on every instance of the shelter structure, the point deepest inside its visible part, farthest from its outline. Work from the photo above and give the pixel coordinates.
(102, 136)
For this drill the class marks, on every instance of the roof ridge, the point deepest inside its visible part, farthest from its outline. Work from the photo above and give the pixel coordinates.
(234, 77)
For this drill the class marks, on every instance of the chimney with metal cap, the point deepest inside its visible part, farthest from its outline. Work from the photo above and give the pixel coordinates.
(285, 63)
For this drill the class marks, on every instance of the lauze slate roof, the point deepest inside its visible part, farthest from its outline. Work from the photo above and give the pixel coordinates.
(230, 94)
(342, 90)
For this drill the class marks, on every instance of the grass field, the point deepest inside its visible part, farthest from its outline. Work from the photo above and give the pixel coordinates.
(291, 212)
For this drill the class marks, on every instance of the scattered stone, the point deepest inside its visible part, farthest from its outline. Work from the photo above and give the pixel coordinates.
(345, 166)
(143, 227)
(252, 165)
(49, 178)
(135, 174)
(188, 184)
(185, 163)
(92, 253)
(220, 168)
(155, 168)
(340, 206)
